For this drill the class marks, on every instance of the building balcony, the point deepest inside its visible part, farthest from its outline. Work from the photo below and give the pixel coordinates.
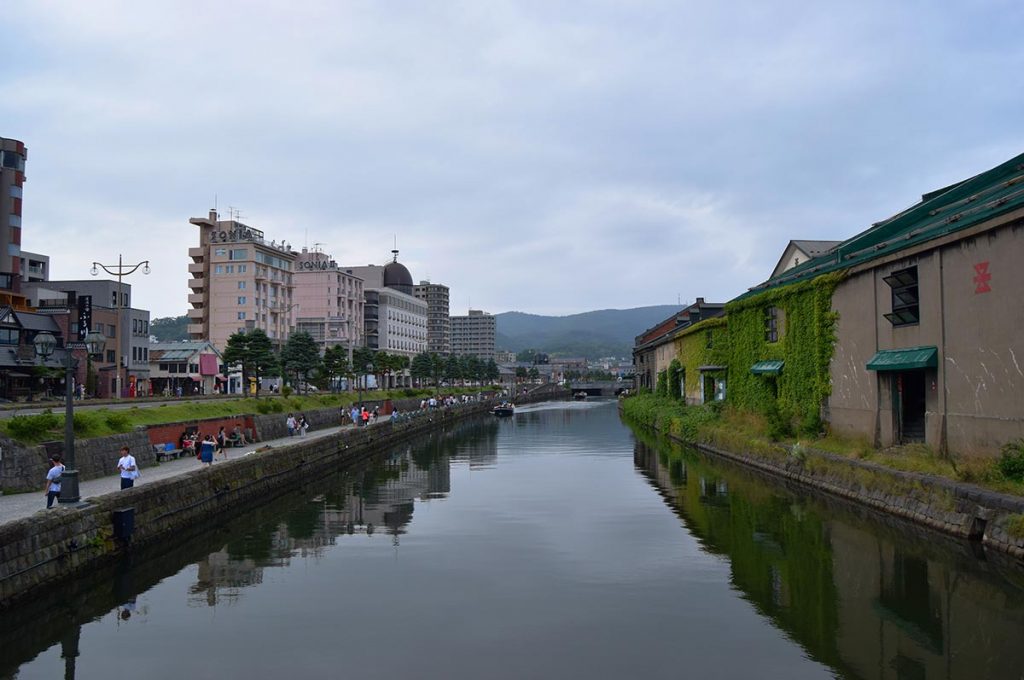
(196, 314)
(196, 267)
(195, 329)
(196, 298)
(197, 284)
(197, 254)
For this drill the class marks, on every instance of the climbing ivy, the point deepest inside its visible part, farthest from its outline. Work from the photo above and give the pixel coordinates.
(675, 372)
(806, 342)
(702, 344)
(661, 389)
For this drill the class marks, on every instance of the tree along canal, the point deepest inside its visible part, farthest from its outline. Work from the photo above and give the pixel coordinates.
(550, 545)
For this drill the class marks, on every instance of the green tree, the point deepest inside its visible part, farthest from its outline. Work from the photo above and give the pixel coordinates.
(452, 369)
(335, 365)
(521, 373)
(491, 371)
(437, 366)
(300, 357)
(382, 365)
(422, 367)
(362, 362)
(254, 353)
(533, 373)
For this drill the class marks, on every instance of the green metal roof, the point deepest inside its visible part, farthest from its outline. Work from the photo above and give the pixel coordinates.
(960, 206)
(904, 359)
(767, 367)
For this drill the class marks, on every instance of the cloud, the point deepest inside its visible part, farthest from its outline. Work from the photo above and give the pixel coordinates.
(551, 157)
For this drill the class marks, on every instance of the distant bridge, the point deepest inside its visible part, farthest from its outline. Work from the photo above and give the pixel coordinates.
(600, 388)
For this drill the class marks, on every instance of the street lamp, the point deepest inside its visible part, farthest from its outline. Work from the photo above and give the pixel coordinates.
(359, 382)
(44, 344)
(119, 270)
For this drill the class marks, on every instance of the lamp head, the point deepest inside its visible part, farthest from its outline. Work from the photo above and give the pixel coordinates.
(95, 270)
(44, 344)
(146, 269)
(95, 342)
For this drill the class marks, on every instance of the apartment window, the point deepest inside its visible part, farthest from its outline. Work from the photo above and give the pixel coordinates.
(241, 285)
(218, 269)
(8, 336)
(165, 367)
(230, 269)
(193, 368)
(220, 251)
(239, 254)
(771, 324)
(242, 268)
(905, 300)
(110, 356)
(241, 316)
(241, 299)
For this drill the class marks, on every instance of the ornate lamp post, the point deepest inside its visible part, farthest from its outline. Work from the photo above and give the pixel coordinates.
(119, 270)
(44, 344)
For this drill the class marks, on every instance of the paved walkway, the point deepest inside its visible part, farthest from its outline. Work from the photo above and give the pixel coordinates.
(21, 505)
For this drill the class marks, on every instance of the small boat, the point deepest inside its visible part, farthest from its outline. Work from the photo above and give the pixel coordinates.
(504, 410)
(580, 396)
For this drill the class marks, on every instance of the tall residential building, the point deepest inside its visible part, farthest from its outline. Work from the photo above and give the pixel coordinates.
(329, 301)
(13, 155)
(394, 319)
(439, 328)
(239, 282)
(34, 267)
(473, 334)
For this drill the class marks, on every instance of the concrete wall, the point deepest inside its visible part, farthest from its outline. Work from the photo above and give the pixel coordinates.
(974, 400)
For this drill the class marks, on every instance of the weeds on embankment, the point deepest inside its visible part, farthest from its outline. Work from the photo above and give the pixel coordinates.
(727, 428)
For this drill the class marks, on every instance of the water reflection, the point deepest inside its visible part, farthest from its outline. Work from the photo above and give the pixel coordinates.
(869, 600)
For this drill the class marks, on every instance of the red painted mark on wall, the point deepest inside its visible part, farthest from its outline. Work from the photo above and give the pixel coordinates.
(981, 278)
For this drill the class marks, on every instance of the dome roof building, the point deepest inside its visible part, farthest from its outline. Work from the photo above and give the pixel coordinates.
(397, 276)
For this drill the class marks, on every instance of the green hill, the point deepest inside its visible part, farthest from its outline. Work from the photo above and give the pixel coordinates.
(169, 329)
(601, 333)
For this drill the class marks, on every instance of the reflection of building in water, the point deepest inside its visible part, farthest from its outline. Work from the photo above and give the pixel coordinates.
(864, 599)
(380, 497)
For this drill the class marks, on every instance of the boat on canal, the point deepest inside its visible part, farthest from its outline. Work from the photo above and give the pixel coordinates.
(504, 410)
(580, 396)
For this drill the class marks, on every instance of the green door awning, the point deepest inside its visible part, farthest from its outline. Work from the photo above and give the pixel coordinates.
(905, 359)
(767, 367)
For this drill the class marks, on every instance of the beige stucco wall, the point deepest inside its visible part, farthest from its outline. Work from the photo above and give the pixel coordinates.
(974, 401)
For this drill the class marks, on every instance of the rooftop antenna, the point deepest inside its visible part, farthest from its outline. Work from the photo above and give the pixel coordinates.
(235, 214)
(317, 248)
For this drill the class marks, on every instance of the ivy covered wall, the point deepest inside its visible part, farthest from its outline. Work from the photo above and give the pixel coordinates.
(705, 343)
(806, 339)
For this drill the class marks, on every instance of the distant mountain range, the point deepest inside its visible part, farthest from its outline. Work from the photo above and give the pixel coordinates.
(603, 333)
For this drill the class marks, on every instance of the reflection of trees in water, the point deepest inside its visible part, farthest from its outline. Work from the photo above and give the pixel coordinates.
(869, 600)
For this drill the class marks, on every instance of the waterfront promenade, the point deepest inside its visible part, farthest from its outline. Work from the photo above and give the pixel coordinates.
(18, 506)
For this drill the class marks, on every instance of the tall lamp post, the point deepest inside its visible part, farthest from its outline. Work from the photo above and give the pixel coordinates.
(359, 382)
(44, 344)
(120, 270)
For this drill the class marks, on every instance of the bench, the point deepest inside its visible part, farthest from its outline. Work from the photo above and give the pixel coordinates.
(167, 452)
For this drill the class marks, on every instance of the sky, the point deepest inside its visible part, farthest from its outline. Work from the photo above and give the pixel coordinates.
(548, 157)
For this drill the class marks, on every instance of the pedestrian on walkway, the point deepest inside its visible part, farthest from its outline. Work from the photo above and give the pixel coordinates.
(303, 425)
(291, 425)
(206, 450)
(222, 443)
(354, 414)
(53, 477)
(364, 416)
(128, 468)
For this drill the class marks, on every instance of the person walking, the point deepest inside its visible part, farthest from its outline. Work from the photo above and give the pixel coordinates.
(222, 443)
(128, 468)
(303, 425)
(206, 450)
(364, 416)
(53, 477)
(291, 425)
(355, 416)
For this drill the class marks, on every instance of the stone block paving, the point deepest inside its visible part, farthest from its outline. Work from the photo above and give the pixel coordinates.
(18, 506)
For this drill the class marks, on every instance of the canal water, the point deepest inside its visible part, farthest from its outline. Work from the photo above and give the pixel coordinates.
(554, 544)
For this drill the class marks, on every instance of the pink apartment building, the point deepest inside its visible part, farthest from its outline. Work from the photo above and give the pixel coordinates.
(328, 301)
(239, 282)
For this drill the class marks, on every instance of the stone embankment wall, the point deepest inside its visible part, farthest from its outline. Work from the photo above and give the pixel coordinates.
(955, 508)
(56, 545)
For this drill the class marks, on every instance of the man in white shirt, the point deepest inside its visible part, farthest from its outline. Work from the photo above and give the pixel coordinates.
(128, 468)
(53, 477)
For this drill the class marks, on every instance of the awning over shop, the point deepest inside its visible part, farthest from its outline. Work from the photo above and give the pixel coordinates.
(905, 359)
(773, 367)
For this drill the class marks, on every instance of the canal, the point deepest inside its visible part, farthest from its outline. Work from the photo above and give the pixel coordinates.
(555, 544)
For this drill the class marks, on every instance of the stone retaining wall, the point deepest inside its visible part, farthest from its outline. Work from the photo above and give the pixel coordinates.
(55, 545)
(956, 508)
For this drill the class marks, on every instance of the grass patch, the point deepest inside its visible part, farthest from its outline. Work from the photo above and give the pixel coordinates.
(1015, 526)
(49, 426)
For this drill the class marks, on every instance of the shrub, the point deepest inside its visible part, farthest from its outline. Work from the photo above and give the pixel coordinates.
(118, 422)
(32, 428)
(778, 424)
(1011, 462)
(286, 391)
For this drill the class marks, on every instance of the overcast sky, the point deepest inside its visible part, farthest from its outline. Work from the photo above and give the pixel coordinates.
(548, 157)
